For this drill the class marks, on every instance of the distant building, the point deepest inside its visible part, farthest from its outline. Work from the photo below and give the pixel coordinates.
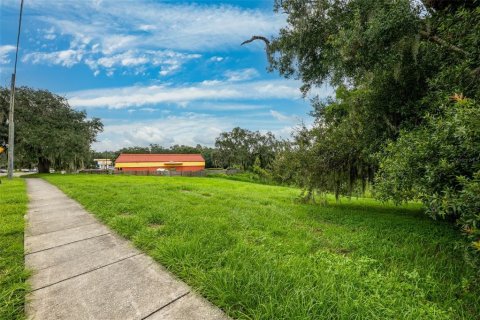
(159, 162)
(103, 163)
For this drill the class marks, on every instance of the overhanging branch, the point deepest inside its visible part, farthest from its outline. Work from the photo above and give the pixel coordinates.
(253, 38)
(442, 42)
(476, 72)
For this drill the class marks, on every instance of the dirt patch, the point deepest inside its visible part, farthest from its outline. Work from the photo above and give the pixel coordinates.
(156, 226)
(341, 251)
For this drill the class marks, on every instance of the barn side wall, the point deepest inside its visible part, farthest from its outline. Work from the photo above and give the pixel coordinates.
(177, 168)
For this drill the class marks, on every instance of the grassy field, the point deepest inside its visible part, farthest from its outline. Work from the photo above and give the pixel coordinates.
(13, 206)
(257, 254)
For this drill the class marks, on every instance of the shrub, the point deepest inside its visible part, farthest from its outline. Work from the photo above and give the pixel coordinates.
(439, 164)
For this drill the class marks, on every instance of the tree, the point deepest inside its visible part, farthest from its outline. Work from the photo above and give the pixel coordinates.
(241, 147)
(437, 163)
(392, 62)
(48, 131)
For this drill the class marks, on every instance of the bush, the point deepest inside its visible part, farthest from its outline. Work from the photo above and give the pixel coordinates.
(467, 203)
(439, 164)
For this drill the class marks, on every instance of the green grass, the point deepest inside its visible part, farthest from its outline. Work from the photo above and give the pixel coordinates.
(244, 177)
(13, 206)
(257, 254)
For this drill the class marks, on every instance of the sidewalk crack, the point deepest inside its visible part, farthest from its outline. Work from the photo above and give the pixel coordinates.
(166, 305)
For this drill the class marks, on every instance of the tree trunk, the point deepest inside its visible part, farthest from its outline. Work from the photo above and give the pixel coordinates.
(43, 165)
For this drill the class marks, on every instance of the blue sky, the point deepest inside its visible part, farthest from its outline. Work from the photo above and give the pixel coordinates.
(166, 72)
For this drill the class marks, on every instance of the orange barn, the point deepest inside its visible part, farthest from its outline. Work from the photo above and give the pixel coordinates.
(154, 162)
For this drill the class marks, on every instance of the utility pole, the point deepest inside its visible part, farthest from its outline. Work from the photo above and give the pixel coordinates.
(11, 124)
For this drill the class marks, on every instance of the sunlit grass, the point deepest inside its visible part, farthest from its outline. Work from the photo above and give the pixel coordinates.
(13, 206)
(258, 254)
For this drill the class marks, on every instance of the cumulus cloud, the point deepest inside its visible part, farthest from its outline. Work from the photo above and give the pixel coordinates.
(136, 96)
(5, 52)
(241, 75)
(189, 129)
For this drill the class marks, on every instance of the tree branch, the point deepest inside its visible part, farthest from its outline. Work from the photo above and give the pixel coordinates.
(253, 38)
(442, 42)
(475, 72)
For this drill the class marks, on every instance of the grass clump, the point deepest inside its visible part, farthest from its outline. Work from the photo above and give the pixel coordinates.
(255, 252)
(13, 206)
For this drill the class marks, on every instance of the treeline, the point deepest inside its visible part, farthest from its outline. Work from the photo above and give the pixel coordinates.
(239, 148)
(206, 152)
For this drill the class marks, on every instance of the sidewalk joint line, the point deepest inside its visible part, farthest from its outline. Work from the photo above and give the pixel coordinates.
(163, 307)
(65, 244)
(88, 271)
(45, 214)
(76, 257)
(77, 226)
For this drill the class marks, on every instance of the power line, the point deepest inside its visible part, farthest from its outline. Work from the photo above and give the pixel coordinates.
(11, 125)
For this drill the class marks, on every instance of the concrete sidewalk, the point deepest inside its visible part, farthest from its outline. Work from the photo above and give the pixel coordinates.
(82, 270)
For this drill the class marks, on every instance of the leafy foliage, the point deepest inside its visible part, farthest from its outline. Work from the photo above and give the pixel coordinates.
(47, 130)
(439, 164)
(394, 64)
(371, 51)
(241, 148)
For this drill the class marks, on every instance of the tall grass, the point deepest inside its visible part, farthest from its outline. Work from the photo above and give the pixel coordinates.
(258, 254)
(13, 205)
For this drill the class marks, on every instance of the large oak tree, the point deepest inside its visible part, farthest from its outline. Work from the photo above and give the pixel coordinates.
(407, 74)
(47, 130)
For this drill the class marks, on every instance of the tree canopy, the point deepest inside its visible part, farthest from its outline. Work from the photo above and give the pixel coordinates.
(243, 148)
(407, 79)
(393, 64)
(47, 130)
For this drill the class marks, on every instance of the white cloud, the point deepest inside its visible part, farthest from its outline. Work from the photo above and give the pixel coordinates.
(217, 58)
(227, 106)
(168, 61)
(50, 36)
(146, 27)
(241, 75)
(188, 129)
(280, 116)
(148, 109)
(136, 27)
(5, 51)
(136, 96)
(173, 26)
(67, 58)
